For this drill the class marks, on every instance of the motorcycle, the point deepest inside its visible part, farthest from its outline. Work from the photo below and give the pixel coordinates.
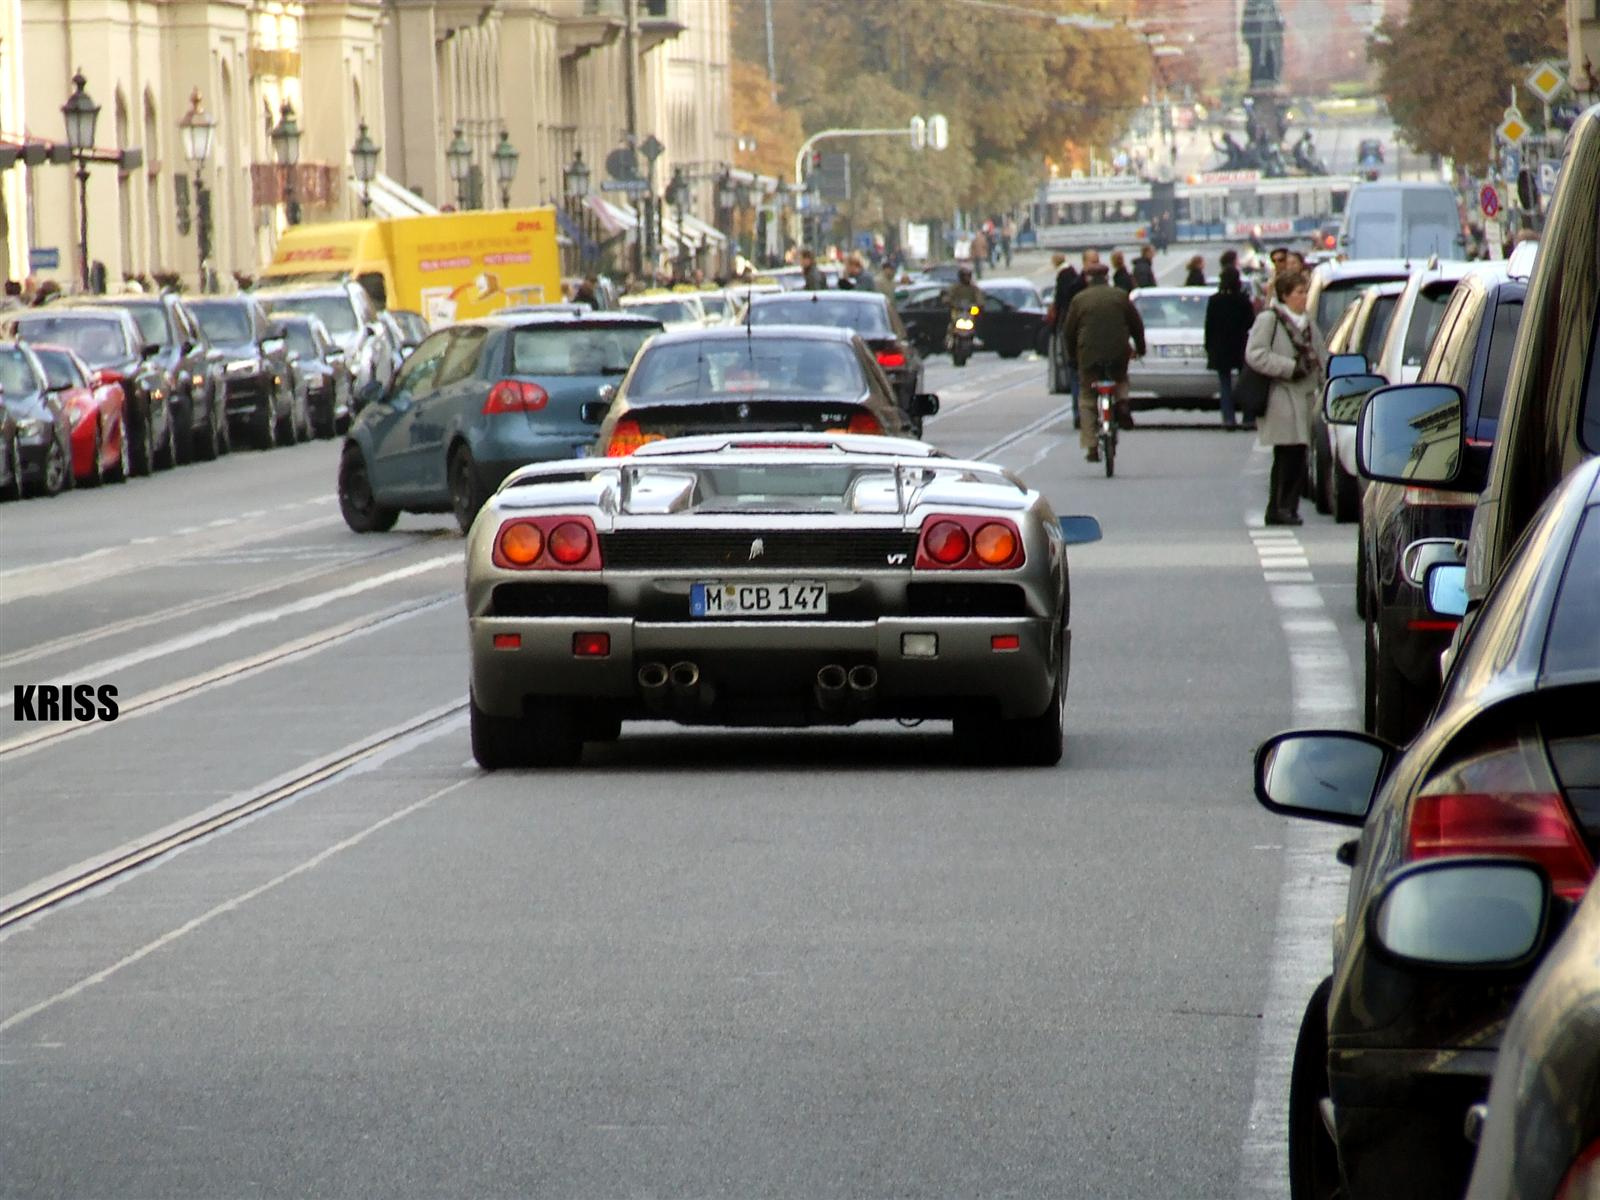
(963, 330)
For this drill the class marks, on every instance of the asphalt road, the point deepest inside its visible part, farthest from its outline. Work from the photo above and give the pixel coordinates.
(809, 964)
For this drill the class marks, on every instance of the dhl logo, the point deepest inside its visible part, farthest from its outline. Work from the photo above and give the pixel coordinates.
(313, 254)
(529, 226)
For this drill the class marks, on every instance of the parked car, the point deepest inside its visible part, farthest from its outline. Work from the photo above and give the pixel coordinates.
(351, 319)
(109, 341)
(1173, 371)
(476, 401)
(318, 363)
(263, 398)
(413, 328)
(1391, 1058)
(43, 445)
(1416, 318)
(95, 410)
(866, 313)
(1336, 484)
(757, 379)
(1541, 1133)
(1337, 285)
(195, 372)
(675, 310)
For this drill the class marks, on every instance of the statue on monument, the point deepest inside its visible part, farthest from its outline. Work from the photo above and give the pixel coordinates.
(1262, 29)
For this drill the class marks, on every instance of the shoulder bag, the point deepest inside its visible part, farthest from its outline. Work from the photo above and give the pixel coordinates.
(1251, 389)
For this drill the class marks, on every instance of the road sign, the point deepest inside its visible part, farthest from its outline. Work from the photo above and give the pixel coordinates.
(1549, 172)
(1513, 129)
(652, 148)
(44, 258)
(1547, 80)
(1489, 200)
(634, 187)
(622, 163)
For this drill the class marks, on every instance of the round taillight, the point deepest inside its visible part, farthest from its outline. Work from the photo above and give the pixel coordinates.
(862, 422)
(569, 543)
(995, 544)
(520, 544)
(946, 542)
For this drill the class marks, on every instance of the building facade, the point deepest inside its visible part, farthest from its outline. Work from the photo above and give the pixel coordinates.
(142, 60)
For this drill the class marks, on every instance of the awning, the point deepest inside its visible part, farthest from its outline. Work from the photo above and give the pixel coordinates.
(613, 218)
(707, 233)
(390, 199)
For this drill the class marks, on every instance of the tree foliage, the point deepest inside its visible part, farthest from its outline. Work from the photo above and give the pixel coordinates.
(1016, 90)
(776, 130)
(1448, 69)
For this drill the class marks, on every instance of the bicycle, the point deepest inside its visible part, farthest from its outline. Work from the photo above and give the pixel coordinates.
(1105, 403)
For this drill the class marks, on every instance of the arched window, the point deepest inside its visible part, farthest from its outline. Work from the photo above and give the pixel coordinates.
(124, 191)
(155, 259)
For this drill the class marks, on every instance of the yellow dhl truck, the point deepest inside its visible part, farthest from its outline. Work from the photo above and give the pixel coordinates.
(448, 267)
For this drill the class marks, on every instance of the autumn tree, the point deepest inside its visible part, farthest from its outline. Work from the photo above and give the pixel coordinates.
(1449, 68)
(775, 129)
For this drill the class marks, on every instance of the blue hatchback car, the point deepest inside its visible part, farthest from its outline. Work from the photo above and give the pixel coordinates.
(473, 403)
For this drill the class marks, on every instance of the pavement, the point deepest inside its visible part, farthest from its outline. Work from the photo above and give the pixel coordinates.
(704, 962)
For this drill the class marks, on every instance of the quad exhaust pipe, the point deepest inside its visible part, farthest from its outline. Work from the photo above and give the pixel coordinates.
(677, 690)
(654, 680)
(846, 690)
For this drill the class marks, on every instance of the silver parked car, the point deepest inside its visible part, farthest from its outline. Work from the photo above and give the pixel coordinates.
(771, 580)
(1173, 369)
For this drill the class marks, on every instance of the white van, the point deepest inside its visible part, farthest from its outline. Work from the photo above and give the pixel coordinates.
(1402, 220)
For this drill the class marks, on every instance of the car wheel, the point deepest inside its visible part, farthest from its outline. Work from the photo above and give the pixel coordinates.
(1399, 707)
(183, 439)
(357, 504)
(56, 471)
(97, 472)
(1313, 1158)
(497, 742)
(208, 442)
(167, 455)
(466, 496)
(1010, 352)
(120, 472)
(14, 489)
(1321, 485)
(144, 448)
(1346, 496)
(1361, 581)
(1024, 742)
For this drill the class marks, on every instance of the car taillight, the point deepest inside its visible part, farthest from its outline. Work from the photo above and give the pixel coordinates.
(891, 358)
(627, 437)
(863, 423)
(1582, 1180)
(556, 543)
(968, 543)
(1503, 800)
(515, 395)
(1421, 497)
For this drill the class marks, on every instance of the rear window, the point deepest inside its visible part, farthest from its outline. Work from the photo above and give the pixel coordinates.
(715, 306)
(58, 368)
(563, 351)
(1504, 335)
(1172, 312)
(666, 310)
(96, 342)
(1574, 641)
(1430, 306)
(1378, 326)
(1336, 297)
(869, 320)
(16, 376)
(747, 367)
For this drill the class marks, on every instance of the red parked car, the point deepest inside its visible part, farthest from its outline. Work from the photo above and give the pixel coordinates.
(97, 410)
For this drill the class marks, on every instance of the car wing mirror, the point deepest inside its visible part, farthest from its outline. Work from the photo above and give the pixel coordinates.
(1411, 434)
(1464, 914)
(1343, 395)
(1325, 775)
(370, 392)
(150, 350)
(1421, 555)
(1346, 364)
(1079, 530)
(925, 404)
(593, 412)
(1446, 588)
(272, 343)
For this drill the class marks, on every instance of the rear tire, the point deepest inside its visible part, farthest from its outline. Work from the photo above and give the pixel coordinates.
(1346, 496)
(208, 442)
(497, 742)
(144, 452)
(97, 472)
(357, 504)
(1313, 1158)
(466, 494)
(1108, 454)
(167, 456)
(1321, 484)
(120, 472)
(56, 471)
(1023, 741)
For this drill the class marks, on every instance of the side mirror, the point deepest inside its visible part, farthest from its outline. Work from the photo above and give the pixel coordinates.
(593, 412)
(1485, 914)
(1420, 556)
(924, 404)
(369, 392)
(1447, 589)
(1080, 529)
(1326, 775)
(272, 344)
(1346, 364)
(1410, 434)
(1343, 395)
(150, 350)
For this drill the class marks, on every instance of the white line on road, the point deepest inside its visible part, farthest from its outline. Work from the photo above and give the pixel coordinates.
(227, 906)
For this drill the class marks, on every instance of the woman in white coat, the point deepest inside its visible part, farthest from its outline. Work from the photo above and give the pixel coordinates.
(1286, 346)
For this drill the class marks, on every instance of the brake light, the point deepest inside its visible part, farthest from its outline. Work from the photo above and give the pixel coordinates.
(863, 423)
(968, 544)
(891, 358)
(995, 544)
(1421, 497)
(515, 395)
(1503, 800)
(627, 437)
(1582, 1179)
(946, 543)
(554, 543)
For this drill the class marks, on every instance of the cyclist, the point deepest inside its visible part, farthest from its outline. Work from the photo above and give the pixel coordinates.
(1101, 322)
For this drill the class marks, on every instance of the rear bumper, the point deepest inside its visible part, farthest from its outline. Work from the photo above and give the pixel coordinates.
(757, 666)
(1147, 381)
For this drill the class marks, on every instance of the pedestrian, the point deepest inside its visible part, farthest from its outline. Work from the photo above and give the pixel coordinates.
(1068, 284)
(1100, 324)
(1144, 267)
(1228, 258)
(1197, 272)
(814, 280)
(856, 276)
(1229, 315)
(1008, 236)
(586, 293)
(1286, 346)
(886, 277)
(979, 252)
(1119, 272)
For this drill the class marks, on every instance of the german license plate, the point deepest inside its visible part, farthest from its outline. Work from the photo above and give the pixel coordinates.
(770, 598)
(1179, 351)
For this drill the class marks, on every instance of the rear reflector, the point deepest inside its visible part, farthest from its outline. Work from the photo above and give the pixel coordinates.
(508, 641)
(1429, 625)
(591, 645)
(919, 645)
(1005, 641)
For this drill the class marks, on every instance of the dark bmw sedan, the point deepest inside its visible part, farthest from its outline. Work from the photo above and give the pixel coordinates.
(1393, 1057)
(320, 365)
(261, 392)
(739, 379)
(476, 401)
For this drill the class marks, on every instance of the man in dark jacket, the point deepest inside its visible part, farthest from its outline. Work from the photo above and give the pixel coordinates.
(814, 280)
(1100, 323)
(1229, 315)
(1144, 267)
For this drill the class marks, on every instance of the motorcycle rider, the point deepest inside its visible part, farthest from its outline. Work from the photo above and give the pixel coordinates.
(963, 294)
(1100, 323)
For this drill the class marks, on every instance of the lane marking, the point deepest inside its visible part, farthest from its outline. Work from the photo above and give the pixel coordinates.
(227, 906)
(1027, 430)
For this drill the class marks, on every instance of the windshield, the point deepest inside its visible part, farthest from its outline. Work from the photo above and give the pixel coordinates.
(96, 342)
(58, 368)
(152, 322)
(715, 305)
(563, 351)
(1172, 312)
(665, 310)
(298, 337)
(16, 377)
(1425, 318)
(334, 311)
(868, 319)
(223, 322)
(742, 367)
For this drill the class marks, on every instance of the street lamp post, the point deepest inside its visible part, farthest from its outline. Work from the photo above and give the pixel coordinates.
(727, 201)
(575, 189)
(198, 128)
(81, 113)
(364, 158)
(286, 145)
(458, 158)
(678, 196)
(505, 166)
